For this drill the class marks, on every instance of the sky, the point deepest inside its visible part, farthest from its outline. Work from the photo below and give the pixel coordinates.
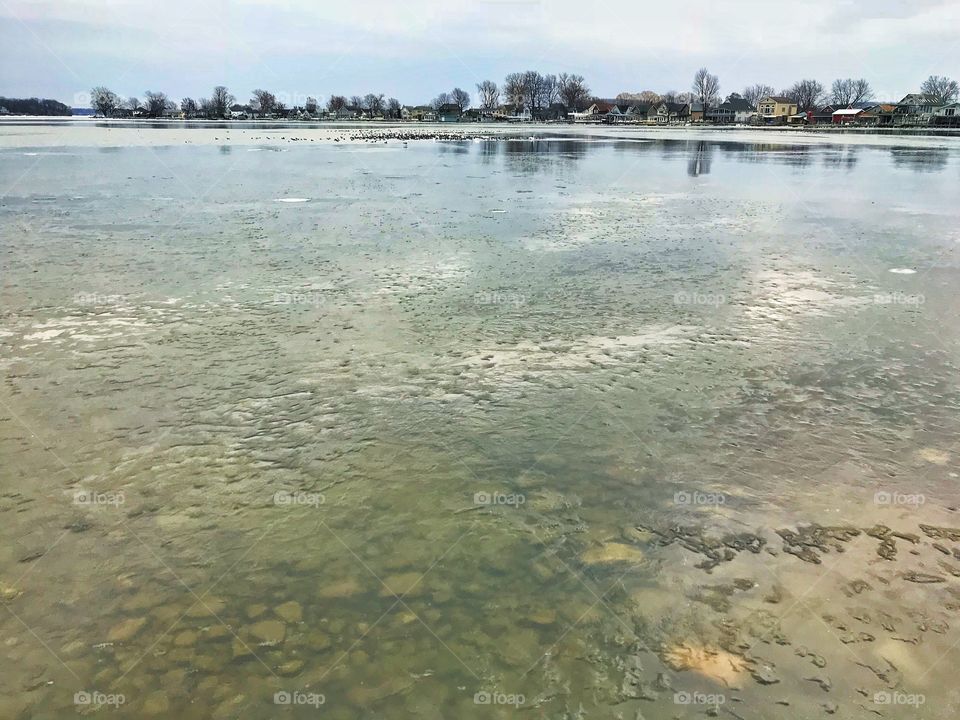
(415, 49)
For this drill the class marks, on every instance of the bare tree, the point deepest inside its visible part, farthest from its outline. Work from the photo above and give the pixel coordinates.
(648, 96)
(460, 98)
(205, 107)
(156, 103)
(861, 90)
(280, 109)
(807, 94)
(513, 88)
(310, 105)
(220, 102)
(356, 103)
(706, 88)
(188, 107)
(336, 103)
(573, 91)
(133, 104)
(941, 90)
(847, 91)
(263, 101)
(103, 101)
(373, 104)
(489, 95)
(393, 108)
(532, 91)
(756, 93)
(439, 101)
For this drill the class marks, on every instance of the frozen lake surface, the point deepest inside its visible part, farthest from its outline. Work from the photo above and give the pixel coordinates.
(600, 424)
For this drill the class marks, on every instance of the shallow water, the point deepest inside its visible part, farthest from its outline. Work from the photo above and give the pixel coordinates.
(480, 429)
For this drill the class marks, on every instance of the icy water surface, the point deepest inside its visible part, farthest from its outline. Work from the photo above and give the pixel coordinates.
(566, 428)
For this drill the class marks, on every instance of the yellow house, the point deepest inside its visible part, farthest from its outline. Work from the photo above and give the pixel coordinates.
(775, 108)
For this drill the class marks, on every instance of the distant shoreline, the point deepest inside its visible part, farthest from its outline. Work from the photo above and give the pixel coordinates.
(474, 127)
(40, 133)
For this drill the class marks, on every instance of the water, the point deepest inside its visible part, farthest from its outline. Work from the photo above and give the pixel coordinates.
(479, 429)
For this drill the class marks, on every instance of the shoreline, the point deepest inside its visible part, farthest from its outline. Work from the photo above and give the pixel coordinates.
(45, 133)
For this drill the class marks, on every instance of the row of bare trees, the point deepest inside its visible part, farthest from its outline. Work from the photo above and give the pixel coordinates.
(535, 92)
(808, 94)
(107, 103)
(369, 105)
(531, 90)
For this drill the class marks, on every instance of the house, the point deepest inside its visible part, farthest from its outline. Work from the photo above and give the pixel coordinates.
(776, 109)
(847, 115)
(638, 112)
(728, 113)
(595, 113)
(882, 114)
(448, 112)
(946, 116)
(667, 112)
(514, 113)
(617, 114)
(824, 115)
(343, 113)
(737, 111)
(696, 112)
(418, 113)
(914, 109)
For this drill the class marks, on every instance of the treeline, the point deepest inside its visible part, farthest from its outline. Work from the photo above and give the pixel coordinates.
(540, 96)
(535, 92)
(33, 106)
(808, 94)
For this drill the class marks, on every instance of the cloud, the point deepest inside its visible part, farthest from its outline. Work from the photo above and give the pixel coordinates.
(52, 46)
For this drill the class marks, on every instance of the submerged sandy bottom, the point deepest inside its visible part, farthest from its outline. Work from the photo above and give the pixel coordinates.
(566, 430)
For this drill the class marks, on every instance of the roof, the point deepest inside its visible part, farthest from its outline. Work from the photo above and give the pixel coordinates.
(738, 105)
(778, 99)
(849, 111)
(604, 107)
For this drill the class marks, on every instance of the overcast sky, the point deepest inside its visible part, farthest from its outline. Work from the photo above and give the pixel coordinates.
(414, 49)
